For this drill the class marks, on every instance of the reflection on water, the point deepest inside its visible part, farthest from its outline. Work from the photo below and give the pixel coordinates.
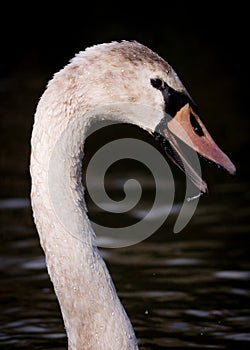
(189, 290)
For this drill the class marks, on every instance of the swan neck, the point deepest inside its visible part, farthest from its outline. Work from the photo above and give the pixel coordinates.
(93, 315)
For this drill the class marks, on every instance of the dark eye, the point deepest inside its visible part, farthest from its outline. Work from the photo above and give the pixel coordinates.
(158, 84)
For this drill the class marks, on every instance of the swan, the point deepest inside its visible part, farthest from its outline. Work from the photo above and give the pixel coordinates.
(105, 74)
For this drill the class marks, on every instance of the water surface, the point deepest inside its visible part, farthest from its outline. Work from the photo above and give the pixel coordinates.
(181, 291)
(187, 290)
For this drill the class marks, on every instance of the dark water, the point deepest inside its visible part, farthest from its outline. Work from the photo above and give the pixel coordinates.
(186, 290)
(182, 291)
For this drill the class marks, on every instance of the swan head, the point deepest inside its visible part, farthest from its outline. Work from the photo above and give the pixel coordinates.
(129, 72)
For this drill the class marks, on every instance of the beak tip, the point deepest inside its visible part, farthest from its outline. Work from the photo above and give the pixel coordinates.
(225, 163)
(233, 172)
(231, 169)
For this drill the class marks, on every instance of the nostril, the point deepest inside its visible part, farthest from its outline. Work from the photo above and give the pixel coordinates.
(196, 126)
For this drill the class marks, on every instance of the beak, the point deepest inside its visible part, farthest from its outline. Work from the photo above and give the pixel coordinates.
(187, 126)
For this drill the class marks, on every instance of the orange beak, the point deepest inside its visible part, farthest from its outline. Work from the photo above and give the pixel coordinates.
(187, 126)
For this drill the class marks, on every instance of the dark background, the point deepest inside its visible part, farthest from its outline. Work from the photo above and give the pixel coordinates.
(206, 45)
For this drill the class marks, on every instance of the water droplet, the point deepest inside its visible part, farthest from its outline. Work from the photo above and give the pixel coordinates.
(146, 312)
(189, 199)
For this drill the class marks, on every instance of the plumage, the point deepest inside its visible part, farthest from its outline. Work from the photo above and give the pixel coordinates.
(102, 76)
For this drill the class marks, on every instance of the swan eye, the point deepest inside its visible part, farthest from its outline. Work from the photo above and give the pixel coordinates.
(158, 84)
